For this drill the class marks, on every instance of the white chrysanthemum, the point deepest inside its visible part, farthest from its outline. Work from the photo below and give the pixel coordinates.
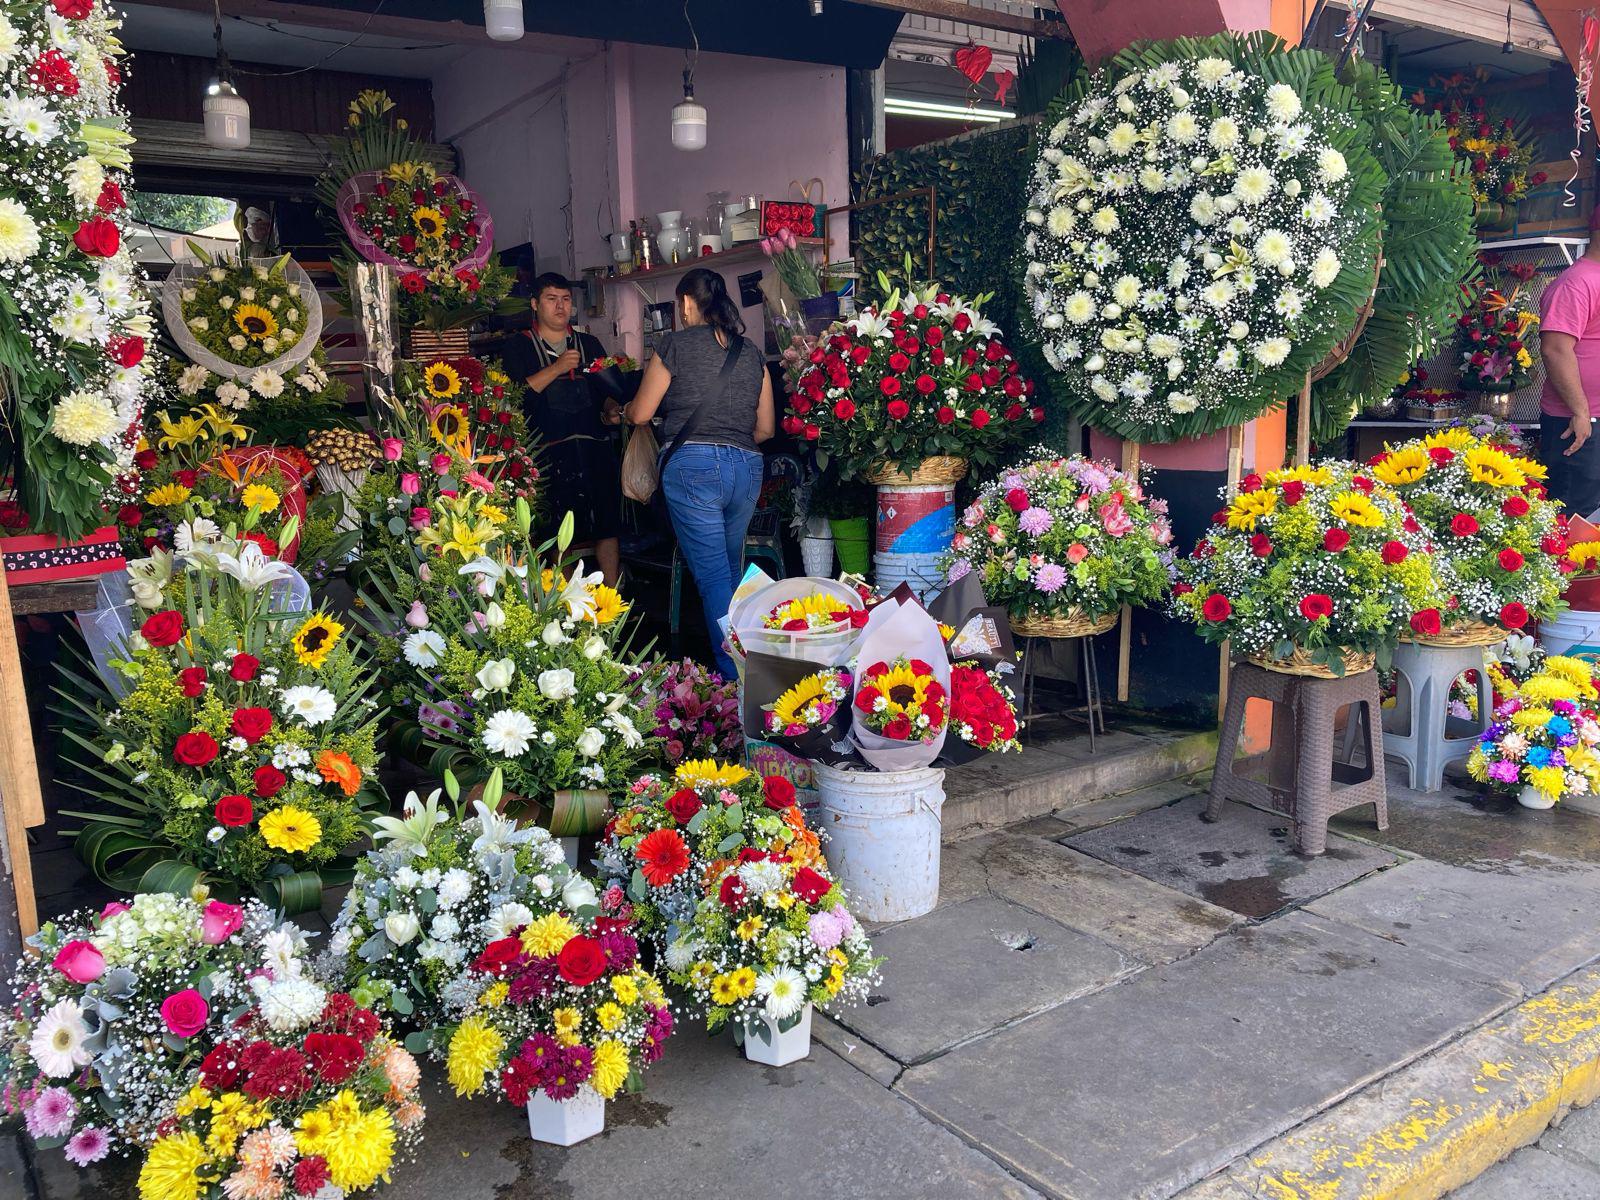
(291, 1004)
(1272, 351)
(761, 877)
(1122, 139)
(509, 733)
(1137, 385)
(83, 418)
(454, 887)
(1052, 320)
(1331, 166)
(1103, 387)
(30, 119)
(1061, 220)
(1218, 294)
(1318, 210)
(1289, 304)
(85, 179)
(1325, 267)
(1224, 133)
(267, 383)
(1182, 402)
(1182, 128)
(1105, 220)
(192, 379)
(57, 1041)
(1228, 358)
(1273, 248)
(8, 40)
(1034, 217)
(1125, 291)
(1152, 180)
(1283, 102)
(1202, 210)
(1163, 345)
(233, 396)
(19, 236)
(1212, 71)
(783, 991)
(424, 648)
(1078, 307)
(679, 955)
(312, 704)
(1253, 185)
(506, 919)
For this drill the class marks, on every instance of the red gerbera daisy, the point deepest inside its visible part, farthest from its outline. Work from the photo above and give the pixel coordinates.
(662, 856)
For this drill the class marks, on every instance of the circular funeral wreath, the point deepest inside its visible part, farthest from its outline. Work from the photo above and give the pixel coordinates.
(1201, 228)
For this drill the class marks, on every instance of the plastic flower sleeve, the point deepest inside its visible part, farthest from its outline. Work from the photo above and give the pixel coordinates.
(896, 630)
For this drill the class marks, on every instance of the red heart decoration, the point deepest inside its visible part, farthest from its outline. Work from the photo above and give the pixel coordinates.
(1002, 85)
(973, 61)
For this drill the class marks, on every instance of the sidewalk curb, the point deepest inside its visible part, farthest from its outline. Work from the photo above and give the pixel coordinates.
(1442, 1121)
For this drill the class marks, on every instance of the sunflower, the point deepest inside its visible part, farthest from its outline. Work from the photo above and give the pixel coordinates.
(442, 380)
(1249, 507)
(1454, 438)
(290, 829)
(429, 221)
(1301, 474)
(259, 497)
(1485, 464)
(803, 704)
(1405, 465)
(449, 428)
(1353, 508)
(1532, 468)
(315, 639)
(255, 322)
(335, 766)
(608, 604)
(696, 771)
(903, 689)
(1585, 556)
(817, 608)
(168, 494)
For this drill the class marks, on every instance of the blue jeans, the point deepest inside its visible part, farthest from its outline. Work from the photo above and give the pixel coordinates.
(711, 492)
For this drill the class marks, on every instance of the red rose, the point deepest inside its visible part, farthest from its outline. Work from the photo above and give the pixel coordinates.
(269, 781)
(974, 383)
(813, 432)
(187, 478)
(73, 10)
(1293, 492)
(1037, 414)
(193, 681)
(792, 425)
(1394, 552)
(1442, 455)
(898, 362)
(1553, 545)
(899, 728)
(1513, 616)
(946, 414)
(1261, 545)
(53, 73)
(779, 792)
(252, 724)
(1316, 606)
(1510, 560)
(1014, 412)
(498, 956)
(889, 385)
(1335, 540)
(844, 409)
(899, 410)
(1017, 500)
(1217, 607)
(731, 893)
(1250, 483)
(683, 804)
(130, 514)
(1361, 482)
(125, 351)
(581, 961)
(244, 667)
(164, 628)
(1426, 622)
(811, 886)
(194, 749)
(962, 323)
(859, 354)
(97, 237)
(980, 418)
(925, 384)
(1463, 524)
(334, 1055)
(234, 811)
(1515, 506)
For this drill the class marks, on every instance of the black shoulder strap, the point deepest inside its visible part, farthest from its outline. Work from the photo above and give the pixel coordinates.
(735, 348)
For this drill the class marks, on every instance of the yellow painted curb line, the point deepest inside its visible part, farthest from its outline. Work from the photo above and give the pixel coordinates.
(1442, 1121)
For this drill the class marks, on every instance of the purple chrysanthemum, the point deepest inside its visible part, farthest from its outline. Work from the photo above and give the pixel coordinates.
(51, 1113)
(535, 980)
(88, 1145)
(620, 949)
(1050, 578)
(1035, 521)
(1503, 771)
(543, 1053)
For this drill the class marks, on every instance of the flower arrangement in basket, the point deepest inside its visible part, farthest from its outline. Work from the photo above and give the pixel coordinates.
(307, 1096)
(114, 1011)
(1201, 228)
(1309, 570)
(1498, 329)
(696, 712)
(282, 405)
(1063, 542)
(1498, 544)
(1494, 149)
(1543, 737)
(564, 1014)
(673, 835)
(234, 735)
(921, 375)
(78, 323)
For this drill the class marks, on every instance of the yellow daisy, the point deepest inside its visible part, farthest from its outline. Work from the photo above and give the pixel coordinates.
(1353, 508)
(315, 639)
(255, 322)
(495, 994)
(290, 829)
(493, 514)
(744, 981)
(1485, 464)
(702, 973)
(1405, 465)
(624, 989)
(167, 494)
(1249, 507)
(724, 990)
(608, 1070)
(567, 1020)
(609, 1016)
(608, 604)
(697, 771)
(750, 928)
(259, 497)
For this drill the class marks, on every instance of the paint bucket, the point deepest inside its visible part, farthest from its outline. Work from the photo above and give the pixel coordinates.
(914, 527)
(921, 571)
(1574, 632)
(768, 758)
(850, 541)
(882, 832)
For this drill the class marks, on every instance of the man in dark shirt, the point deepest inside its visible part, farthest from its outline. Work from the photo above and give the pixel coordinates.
(581, 463)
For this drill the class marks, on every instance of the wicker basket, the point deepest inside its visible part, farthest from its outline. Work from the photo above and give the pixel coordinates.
(1473, 633)
(1302, 663)
(426, 345)
(1074, 624)
(940, 469)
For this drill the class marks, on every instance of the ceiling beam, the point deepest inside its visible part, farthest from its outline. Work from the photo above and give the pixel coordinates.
(971, 14)
(408, 28)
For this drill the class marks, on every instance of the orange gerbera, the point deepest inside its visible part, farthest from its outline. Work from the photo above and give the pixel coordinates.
(663, 856)
(337, 767)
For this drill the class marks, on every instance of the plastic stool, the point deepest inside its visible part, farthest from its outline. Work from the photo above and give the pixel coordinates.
(1415, 729)
(753, 550)
(1302, 779)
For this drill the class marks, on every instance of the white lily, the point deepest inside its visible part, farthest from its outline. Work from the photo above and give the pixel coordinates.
(412, 830)
(500, 833)
(253, 569)
(578, 594)
(149, 577)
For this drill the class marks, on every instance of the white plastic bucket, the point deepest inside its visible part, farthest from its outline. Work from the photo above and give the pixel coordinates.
(921, 571)
(816, 551)
(1573, 632)
(882, 832)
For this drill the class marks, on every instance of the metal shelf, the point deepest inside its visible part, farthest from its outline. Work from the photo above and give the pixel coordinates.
(744, 252)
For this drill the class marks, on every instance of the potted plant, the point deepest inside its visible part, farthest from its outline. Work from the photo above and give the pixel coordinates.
(1541, 744)
(1497, 542)
(844, 504)
(1313, 570)
(1063, 544)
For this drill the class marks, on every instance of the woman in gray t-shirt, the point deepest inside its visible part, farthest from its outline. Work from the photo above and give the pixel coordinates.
(710, 385)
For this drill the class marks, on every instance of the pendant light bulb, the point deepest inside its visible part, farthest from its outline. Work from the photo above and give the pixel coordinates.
(689, 119)
(226, 113)
(502, 19)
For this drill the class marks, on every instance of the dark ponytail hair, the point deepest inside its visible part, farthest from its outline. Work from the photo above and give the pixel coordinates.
(710, 294)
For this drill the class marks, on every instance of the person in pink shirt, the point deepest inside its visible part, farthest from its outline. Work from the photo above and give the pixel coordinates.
(1569, 342)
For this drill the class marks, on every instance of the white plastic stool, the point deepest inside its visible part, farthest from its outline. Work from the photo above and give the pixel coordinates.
(1426, 673)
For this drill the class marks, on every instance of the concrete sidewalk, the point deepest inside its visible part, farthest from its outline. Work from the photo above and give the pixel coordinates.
(1117, 1001)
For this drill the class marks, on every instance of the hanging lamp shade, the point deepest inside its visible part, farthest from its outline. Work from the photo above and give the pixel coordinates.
(502, 19)
(227, 117)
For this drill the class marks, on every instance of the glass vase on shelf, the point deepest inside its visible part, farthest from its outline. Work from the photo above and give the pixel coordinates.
(716, 205)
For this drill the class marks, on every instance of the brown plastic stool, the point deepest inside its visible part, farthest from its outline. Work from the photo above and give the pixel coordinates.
(1302, 780)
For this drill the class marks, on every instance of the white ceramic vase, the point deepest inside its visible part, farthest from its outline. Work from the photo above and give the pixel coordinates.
(1532, 797)
(780, 1047)
(566, 1122)
(671, 239)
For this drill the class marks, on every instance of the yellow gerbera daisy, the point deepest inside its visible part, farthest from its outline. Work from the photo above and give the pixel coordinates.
(316, 638)
(172, 1168)
(1353, 508)
(290, 829)
(608, 604)
(167, 494)
(567, 1020)
(259, 497)
(1249, 507)
(750, 928)
(1405, 465)
(474, 1048)
(255, 322)
(429, 222)
(608, 1070)
(441, 379)
(694, 772)
(724, 990)
(1485, 464)
(544, 937)
(744, 981)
